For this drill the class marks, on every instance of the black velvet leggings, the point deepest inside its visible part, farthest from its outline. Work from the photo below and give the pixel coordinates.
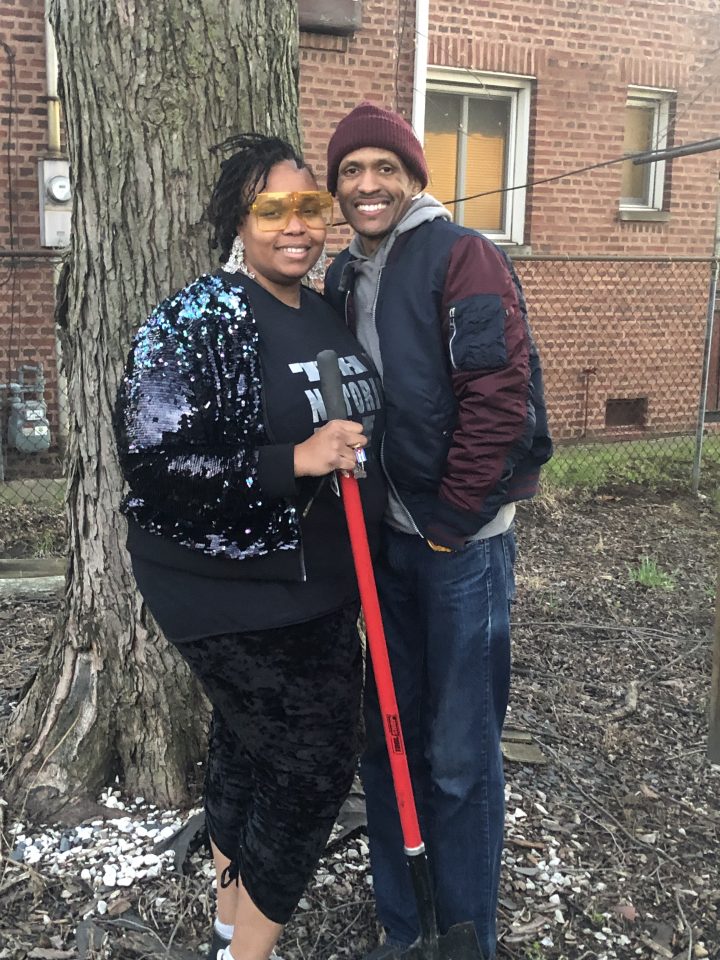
(283, 748)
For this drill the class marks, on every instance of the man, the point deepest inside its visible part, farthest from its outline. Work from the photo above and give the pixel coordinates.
(440, 310)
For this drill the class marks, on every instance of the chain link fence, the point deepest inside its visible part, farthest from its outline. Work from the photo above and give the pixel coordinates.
(623, 348)
(623, 343)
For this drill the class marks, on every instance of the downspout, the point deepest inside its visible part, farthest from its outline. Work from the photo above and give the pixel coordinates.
(422, 31)
(51, 93)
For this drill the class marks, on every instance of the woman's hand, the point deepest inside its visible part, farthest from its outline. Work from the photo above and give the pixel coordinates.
(332, 447)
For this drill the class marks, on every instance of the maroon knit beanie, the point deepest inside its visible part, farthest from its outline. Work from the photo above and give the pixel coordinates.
(371, 126)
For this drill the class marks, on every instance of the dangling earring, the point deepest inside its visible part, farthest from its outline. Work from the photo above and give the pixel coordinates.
(235, 263)
(315, 277)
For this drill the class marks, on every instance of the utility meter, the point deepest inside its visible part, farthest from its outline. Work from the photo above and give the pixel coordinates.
(58, 188)
(55, 193)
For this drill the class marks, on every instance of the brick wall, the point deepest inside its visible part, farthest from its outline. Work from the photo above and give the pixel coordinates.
(336, 73)
(638, 328)
(583, 56)
(26, 272)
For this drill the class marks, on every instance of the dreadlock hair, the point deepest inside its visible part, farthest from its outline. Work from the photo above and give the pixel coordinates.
(242, 177)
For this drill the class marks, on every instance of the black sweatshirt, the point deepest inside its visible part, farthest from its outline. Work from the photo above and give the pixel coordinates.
(192, 595)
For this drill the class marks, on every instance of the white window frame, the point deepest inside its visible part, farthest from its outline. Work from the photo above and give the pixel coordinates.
(660, 98)
(473, 83)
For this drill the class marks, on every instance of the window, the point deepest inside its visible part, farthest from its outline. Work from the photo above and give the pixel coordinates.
(647, 115)
(476, 142)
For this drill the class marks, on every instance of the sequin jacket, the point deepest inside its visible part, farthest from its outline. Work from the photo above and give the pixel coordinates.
(189, 427)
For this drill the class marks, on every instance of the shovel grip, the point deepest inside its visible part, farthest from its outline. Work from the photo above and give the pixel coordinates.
(331, 390)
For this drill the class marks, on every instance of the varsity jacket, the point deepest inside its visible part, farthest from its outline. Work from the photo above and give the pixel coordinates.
(466, 428)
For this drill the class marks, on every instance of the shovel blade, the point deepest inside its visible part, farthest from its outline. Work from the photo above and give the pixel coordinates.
(459, 943)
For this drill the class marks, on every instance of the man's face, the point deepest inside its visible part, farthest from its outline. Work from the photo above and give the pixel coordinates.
(374, 190)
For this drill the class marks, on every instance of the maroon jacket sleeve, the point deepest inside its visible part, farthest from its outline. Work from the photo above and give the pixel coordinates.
(489, 354)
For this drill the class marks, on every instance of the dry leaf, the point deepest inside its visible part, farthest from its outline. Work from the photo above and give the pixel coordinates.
(117, 907)
(626, 910)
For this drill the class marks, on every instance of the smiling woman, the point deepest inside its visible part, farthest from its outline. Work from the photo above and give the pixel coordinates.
(285, 230)
(239, 546)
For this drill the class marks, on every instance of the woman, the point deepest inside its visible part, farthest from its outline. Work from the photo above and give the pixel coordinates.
(236, 532)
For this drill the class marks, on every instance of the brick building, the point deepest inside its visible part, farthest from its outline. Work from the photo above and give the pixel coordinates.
(503, 94)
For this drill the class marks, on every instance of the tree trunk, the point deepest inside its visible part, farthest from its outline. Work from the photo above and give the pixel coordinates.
(147, 89)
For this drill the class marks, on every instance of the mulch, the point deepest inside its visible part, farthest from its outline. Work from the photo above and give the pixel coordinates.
(612, 843)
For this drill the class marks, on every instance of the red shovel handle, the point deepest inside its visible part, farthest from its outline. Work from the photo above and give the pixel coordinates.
(331, 389)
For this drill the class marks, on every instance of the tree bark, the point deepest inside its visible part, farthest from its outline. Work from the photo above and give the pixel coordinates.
(147, 89)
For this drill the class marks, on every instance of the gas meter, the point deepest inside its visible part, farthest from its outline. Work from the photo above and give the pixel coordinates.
(28, 425)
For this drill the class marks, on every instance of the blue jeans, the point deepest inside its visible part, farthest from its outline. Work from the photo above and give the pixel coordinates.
(447, 623)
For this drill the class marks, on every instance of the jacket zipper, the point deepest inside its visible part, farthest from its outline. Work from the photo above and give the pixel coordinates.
(394, 489)
(382, 442)
(453, 331)
(377, 294)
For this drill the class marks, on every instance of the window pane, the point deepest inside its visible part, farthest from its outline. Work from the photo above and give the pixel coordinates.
(639, 123)
(442, 122)
(487, 141)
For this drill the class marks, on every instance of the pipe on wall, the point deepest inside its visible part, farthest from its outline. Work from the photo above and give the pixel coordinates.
(422, 30)
(51, 93)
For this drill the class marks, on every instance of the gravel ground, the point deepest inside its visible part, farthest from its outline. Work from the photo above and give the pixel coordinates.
(611, 847)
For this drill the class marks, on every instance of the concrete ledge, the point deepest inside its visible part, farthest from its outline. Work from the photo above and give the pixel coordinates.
(23, 568)
(32, 588)
(644, 216)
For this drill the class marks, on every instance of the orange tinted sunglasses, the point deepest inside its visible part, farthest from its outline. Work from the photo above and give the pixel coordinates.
(274, 211)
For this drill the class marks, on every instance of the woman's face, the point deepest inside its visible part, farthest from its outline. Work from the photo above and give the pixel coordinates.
(282, 257)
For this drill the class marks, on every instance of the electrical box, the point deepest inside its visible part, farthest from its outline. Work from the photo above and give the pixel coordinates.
(55, 202)
(341, 17)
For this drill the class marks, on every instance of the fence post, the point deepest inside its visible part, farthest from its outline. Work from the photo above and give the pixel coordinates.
(709, 322)
(713, 750)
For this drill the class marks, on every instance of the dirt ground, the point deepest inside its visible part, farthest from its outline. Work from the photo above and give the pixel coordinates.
(612, 843)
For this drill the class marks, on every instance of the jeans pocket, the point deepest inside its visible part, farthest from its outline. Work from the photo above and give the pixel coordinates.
(509, 551)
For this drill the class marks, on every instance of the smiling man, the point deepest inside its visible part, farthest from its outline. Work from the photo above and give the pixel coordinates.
(441, 312)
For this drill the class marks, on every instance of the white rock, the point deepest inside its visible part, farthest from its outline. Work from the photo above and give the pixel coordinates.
(303, 904)
(559, 916)
(101, 907)
(554, 900)
(109, 876)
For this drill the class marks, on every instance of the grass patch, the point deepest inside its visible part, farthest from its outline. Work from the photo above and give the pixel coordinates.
(648, 574)
(654, 464)
(46, 492)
